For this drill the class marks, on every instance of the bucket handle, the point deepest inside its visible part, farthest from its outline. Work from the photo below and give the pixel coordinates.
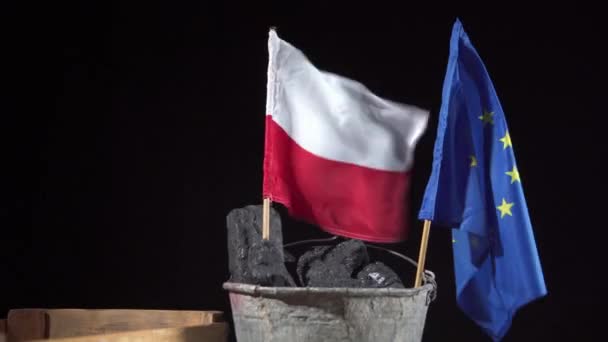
(429, 277)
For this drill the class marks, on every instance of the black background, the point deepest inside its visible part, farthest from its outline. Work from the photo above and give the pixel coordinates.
(130, 131)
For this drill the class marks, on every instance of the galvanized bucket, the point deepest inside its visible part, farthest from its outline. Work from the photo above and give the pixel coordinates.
(298, 314)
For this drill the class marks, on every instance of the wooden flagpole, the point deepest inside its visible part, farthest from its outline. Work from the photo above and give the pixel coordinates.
(266, 202)
(266, 219)
(422, 256)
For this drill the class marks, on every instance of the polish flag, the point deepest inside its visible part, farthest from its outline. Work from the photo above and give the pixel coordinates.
(335, 154)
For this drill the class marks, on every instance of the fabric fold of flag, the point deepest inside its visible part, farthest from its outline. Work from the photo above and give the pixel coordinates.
(476, 189)
(336, 155)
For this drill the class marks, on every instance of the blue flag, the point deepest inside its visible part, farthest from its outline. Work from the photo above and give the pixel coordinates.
(476, 189)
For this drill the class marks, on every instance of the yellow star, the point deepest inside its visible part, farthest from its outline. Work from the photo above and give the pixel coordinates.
(473, 161)
(453, 241)
(505, 208)
(506, 141)
(514, 175)
(487, 117)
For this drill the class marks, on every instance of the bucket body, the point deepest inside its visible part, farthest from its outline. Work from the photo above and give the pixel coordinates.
(310, 314)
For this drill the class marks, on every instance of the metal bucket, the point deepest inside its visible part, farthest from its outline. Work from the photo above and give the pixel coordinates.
(294, 314)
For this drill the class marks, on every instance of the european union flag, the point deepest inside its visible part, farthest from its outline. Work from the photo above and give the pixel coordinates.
(476, 189)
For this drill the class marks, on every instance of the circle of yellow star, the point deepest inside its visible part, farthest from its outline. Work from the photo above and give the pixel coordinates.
(487, 117)
(514, 175)
(505, 208)
(506, 141)
(473, 161)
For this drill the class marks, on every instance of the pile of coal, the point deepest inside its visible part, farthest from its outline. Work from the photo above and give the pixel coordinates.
(252, 260)
(379, 275)
(344, 265)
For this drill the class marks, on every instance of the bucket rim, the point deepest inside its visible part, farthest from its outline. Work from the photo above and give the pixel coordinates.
(267, 291)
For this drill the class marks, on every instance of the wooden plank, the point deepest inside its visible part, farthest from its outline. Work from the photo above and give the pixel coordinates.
(2, 330)
(57, 323)
(214, 332)
(25, 324)
(66, 323)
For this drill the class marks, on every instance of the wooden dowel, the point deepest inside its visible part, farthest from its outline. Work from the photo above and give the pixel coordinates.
(266, 219)
(422, 256)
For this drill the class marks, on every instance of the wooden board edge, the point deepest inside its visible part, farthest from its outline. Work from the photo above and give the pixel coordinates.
(214, 332)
